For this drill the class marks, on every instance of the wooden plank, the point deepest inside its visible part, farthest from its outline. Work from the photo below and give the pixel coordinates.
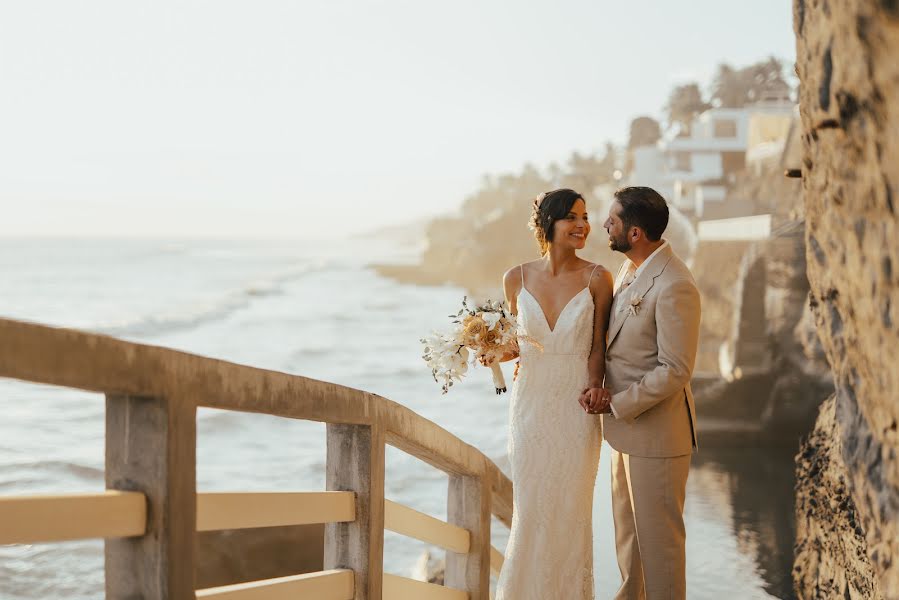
(468, 506)
(220, 510)
(55, 518)
(335, 584)
(355, 463)
(151, 448)
(496, 560)
(501, 496)
(402, 588)
(108, 365)
(409, 522)
(429, 442)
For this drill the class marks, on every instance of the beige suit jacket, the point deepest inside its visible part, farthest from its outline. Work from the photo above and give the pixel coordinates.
(650, 357)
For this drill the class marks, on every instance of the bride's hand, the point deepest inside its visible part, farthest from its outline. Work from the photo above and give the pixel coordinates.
(487, 361)
(595, 400)
(584, 400)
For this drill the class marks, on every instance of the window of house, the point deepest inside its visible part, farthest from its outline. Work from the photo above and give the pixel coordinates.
(725, 128)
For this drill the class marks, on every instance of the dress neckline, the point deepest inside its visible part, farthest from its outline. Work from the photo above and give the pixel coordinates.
(561, 313)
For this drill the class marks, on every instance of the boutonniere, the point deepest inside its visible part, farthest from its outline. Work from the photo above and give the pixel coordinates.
(634, 307)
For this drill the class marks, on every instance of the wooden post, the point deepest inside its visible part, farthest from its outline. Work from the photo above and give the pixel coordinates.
(151, 448)
(355, 462)
(468, 506)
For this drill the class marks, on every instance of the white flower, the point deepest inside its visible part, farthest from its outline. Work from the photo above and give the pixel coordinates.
(447, 354)
(446, 357)
(491, 318)
(634, 307)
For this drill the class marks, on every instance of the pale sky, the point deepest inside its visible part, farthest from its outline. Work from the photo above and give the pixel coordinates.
(300, 118)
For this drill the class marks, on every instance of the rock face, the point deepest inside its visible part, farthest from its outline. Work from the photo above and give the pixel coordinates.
(849, 105)
(832, 559)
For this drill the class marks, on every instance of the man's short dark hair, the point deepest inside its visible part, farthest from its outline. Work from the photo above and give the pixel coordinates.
(645, 208)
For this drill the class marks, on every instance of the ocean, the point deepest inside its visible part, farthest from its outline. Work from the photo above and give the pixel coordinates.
(318, 310)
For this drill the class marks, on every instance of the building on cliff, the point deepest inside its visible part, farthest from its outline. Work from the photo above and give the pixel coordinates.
(722, 142)
(696, 167)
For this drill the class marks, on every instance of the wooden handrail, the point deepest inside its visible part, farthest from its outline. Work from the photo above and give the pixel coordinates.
(230, 510)
(99, 363)
(336, 584)
(45, 518)
(152, 395)
(409, 522)
(496, 560)
(112, 514)
(402, 588)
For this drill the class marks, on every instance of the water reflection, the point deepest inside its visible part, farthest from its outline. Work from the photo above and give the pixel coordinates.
(754, 485)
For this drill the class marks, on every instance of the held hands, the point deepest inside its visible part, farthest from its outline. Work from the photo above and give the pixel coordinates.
(596, 400)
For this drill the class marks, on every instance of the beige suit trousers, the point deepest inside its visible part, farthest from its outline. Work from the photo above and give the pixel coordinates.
(648, 507)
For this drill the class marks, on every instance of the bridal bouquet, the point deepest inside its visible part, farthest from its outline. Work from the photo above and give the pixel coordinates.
(487, 330)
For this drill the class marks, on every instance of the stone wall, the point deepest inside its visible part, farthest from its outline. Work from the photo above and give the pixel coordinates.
(832, 557)
(849, 103)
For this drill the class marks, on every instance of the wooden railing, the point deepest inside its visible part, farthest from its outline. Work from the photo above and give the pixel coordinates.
(151, 509)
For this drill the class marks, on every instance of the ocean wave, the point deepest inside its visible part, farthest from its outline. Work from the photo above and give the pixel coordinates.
(203, 313)
(311, 351)
(383, 306)
(52, 467)
(213, 420)
(188, 319)
(390, 370)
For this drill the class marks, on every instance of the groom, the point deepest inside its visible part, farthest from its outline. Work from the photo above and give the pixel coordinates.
(649, 418)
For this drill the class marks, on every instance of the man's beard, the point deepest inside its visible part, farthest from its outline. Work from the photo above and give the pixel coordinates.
(619, 244)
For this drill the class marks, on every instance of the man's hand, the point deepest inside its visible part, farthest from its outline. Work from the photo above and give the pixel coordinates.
(596, 400)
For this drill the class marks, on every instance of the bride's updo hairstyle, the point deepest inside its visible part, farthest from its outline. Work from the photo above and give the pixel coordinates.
(549, 207)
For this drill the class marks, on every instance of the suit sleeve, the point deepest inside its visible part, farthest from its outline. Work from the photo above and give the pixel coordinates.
(677, 313)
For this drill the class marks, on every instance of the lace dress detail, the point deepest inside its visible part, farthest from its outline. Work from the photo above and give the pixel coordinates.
(554, 454)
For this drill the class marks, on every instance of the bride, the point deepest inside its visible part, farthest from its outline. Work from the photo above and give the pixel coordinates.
(562, 302)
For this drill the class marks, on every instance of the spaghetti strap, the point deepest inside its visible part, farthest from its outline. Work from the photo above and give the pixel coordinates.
(593, 272)
(521, 268)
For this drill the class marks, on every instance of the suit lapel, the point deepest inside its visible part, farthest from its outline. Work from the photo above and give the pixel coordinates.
(639, 289)
(621, 269)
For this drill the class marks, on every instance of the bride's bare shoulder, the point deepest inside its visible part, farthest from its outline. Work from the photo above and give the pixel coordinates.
(600, 277)
(514, 274)
(510, 275)
(597, 270)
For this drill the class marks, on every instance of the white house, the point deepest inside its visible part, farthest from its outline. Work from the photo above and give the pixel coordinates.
(768, 135)
(701, 163)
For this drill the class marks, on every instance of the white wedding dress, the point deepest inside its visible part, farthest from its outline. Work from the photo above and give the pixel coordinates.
(554, 453)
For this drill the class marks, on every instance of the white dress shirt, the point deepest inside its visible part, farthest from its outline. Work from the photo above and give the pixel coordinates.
(619, 303)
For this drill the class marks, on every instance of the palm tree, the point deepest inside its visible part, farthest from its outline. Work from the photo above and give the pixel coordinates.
(684, 103)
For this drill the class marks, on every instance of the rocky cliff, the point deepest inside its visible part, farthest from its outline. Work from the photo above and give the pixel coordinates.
(849, 105)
